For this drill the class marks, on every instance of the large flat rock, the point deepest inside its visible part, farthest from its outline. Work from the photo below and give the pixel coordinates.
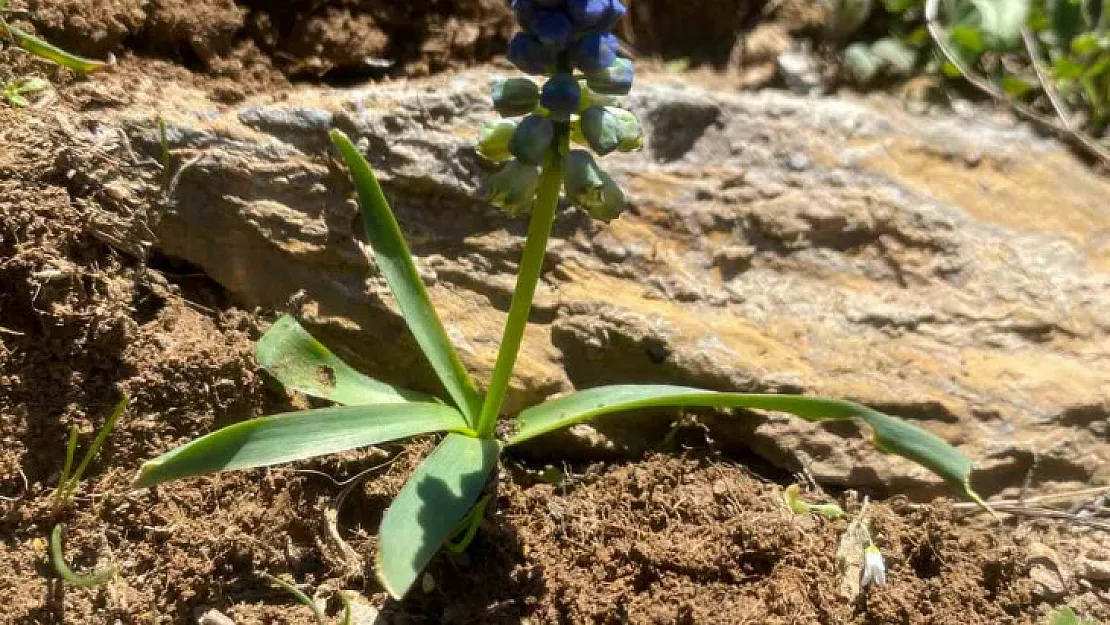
(953, 270)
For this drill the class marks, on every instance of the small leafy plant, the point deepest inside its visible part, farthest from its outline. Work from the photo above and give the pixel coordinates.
(68, 482)
(570, 43)
(1048, 59)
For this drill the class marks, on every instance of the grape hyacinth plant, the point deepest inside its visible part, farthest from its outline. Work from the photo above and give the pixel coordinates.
(569, 44)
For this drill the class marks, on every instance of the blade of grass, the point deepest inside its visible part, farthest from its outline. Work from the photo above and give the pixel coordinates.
(57, 558)
(428, 509)
(98, 442)
(71, 451)
(298, 595)
(395, 261)
(293, 436)
(300, 362)
(890, 435)
(50, 52)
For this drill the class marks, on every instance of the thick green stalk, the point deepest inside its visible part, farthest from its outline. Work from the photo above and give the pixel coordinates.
(539, 229)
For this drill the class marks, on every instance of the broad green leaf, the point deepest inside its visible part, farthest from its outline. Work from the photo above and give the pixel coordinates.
(396, 264)
(50, 52)
(428, 509)
(302, 363)
(891, 435)
(298, 435)
(1001, 22)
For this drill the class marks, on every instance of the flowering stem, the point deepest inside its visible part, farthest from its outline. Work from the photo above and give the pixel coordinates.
(539, 229)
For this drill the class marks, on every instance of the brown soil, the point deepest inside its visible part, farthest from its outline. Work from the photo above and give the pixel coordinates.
(687, 537)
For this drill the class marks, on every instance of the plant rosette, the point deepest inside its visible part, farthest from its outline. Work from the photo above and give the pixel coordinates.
(567, 43)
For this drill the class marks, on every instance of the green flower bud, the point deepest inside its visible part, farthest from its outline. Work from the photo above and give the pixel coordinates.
(609, 128)
(532, 139)
(613, 80)
(513, 189)
(493, 143)
(515, 96)
(590, 188)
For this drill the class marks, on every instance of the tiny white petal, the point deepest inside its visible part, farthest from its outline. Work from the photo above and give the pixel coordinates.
(874, 569)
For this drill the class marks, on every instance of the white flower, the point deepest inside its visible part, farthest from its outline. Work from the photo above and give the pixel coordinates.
(874, 569)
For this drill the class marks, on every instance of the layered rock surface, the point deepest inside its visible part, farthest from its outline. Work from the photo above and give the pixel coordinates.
(952, 270)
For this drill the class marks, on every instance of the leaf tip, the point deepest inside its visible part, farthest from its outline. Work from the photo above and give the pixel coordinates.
(145, 477)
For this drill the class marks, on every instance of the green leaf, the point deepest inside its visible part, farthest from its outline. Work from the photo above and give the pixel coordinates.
(1019, 86)
(899, 58)
(396, 264)
(430, 506)
(300, 362)
(891, 435)
(298, 435)
(1086, 44)
(1065, 68)
(41, 48)
(967, 36)
(57, 558)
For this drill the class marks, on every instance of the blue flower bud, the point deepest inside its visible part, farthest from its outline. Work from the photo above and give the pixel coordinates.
(590, 188)
(613, 80)
(561, 95)
(515, 96)
(493, 142)
(608, 128)
(588, 14)
(553, 28)
(595, 52)
(532, 139)
(513, 189)
(525, 11)
(530, 55)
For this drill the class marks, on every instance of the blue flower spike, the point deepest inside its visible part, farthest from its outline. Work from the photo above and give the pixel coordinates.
(570, 43)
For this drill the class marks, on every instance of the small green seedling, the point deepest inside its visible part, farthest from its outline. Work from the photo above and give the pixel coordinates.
(792, 497)
(57, 558)
(67, 484)
(16, 91)
(437, 504)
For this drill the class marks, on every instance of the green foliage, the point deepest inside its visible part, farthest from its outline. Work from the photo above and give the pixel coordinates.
(16, 92)
(442, 504)
(67, 484)
(1069, 37)
(303, 599)
(57, 559)
(1066, 616)
(50, 52)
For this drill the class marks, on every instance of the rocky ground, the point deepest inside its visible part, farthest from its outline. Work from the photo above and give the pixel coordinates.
(948, 266)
